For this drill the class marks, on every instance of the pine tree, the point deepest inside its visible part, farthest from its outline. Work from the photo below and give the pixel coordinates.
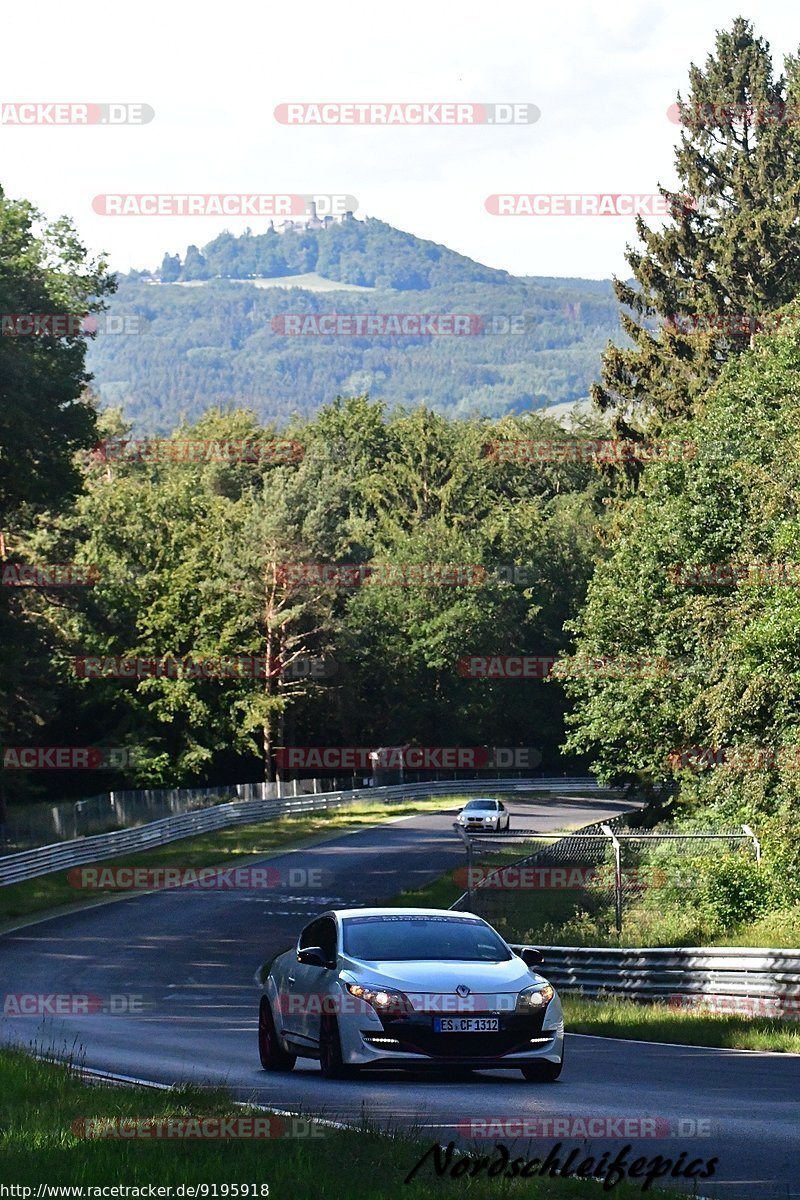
(730, 249)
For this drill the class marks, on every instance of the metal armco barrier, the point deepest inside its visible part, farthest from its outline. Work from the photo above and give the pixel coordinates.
(682, 976)
(29, 864)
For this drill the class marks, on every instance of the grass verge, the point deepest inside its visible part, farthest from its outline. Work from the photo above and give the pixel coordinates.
(660, 1023)
(222, 847)
(40, 1102)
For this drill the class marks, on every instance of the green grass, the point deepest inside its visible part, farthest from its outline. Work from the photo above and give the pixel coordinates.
(779, 929)
(660, 1023)
(578, 917)
(439, 893)
(523, 915)
(39, 1102)
(222, 847)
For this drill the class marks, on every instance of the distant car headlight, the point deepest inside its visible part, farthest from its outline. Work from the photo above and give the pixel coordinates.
(535, 998)
(386, 1001)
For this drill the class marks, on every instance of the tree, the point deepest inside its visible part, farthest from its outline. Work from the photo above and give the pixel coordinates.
(45, 412)
(194, 265)
(729, 251)
(47, 286)
(723, 646)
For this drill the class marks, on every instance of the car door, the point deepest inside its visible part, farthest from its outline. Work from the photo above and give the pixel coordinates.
(313, 983)
(294, 984)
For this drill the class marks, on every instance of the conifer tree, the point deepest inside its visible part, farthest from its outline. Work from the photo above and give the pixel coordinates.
(730, 249)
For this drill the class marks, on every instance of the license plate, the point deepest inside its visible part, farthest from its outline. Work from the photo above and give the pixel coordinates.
(466, 1024)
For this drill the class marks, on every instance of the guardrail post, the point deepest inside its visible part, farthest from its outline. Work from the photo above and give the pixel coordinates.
(608, 831)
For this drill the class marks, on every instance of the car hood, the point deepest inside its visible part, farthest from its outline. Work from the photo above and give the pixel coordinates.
(425, 976)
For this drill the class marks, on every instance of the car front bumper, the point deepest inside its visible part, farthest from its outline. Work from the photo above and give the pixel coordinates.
(413, 1041)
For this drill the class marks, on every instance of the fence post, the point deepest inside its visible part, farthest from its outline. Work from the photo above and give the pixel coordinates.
(608, 831)
(462, 833)
(756, 843)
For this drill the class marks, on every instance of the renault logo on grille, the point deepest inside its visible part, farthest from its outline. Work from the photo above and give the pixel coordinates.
(462, 989)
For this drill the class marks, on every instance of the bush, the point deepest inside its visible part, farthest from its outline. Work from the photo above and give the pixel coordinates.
(736, 891)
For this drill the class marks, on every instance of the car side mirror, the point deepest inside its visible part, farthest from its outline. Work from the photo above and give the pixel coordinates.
(314, 956)
(529, 955)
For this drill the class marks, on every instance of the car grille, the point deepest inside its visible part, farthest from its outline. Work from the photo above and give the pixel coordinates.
(416, 1035)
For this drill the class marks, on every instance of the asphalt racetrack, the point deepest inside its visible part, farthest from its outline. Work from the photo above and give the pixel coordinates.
(191, 956)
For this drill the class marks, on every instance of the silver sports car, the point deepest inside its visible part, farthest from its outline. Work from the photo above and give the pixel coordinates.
(407, 987)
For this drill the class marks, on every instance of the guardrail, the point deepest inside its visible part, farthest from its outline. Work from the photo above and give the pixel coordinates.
(30, 864)
(28, 826)
(737, 979)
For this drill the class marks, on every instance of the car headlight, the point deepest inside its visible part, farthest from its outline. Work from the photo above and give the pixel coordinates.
(535, 998)
(386, 1001)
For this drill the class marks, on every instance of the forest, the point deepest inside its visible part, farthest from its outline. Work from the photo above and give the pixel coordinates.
(687, 560)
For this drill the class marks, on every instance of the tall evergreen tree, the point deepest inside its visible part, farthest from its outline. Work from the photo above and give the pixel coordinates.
(730, 249)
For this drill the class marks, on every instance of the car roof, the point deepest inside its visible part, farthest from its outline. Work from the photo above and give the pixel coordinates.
(344, 913)
(484, 800)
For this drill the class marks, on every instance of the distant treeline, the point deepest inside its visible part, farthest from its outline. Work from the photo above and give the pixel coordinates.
(534, 341)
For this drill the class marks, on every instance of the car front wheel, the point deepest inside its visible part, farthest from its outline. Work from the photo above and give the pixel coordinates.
(543, 1071)
(273, 1056)
(331, 1063)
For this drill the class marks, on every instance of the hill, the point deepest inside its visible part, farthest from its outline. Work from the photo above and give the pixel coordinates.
(229, 324)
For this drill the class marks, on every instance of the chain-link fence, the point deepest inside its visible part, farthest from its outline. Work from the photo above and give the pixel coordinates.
(43, 824)
(535, 887)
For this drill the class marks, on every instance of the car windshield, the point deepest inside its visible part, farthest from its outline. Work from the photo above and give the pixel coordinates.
(482, 804)
(405, 939)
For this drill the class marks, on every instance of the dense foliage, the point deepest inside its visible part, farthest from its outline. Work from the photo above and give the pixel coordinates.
(366, 253)
(703, 574)
(690, 580)
(188, 558)
(44, 419)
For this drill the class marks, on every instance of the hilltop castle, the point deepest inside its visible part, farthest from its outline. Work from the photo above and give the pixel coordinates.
(312, 222)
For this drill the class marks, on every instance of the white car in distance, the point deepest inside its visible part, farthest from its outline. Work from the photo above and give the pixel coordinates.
(479, 815)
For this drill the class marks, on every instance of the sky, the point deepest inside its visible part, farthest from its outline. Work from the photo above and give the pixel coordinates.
(602, 74)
